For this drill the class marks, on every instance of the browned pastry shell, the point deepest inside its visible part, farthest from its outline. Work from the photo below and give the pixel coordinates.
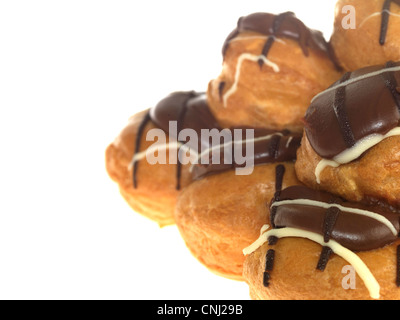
(374, 176)
(155, 196)
(360, 47)
(221, 214)
(264, 98)
(294, 275)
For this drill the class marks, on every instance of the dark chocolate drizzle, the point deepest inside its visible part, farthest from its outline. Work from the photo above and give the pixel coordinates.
(279, 175)
(324, 258)
(269, 265)
(337, 119)
(139, 136)
(341, 114)
(392, 84)
(385, 20)
(331, 216)
(285, 25)
(353, 231)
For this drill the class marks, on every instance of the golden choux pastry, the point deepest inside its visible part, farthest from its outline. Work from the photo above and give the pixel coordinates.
(351, 145)
(152, 189)
(317, 246)
(222, 212)
(273, 65)
(366, 32)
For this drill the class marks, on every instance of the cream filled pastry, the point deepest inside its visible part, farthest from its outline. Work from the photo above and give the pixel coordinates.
(312, 236)
(272, 66)
(222, 211)
(366, 32)
(152, 188)
(351, 143)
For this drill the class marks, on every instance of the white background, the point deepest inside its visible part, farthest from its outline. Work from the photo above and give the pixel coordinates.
(71, 74)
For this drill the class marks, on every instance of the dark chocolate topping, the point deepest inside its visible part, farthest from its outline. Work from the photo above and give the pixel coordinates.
(339, 118)
(189, 109)
(285, 25)
(354, 231)
(280, 147)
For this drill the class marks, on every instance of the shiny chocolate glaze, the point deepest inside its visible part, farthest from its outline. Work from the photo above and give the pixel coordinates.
(353, 231)
(190, 110)
(339, 117)
(285, 25)
(277, 147)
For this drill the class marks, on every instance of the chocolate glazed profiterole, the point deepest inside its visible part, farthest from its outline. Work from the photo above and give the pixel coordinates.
(152, 189)
(222, 211)
(312, 237)
(374, 38)
(351, 145)
(273, 65)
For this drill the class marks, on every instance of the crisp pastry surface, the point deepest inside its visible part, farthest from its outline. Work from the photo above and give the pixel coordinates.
(156, 194)
(374, 176)
(360, 47)
(264, 97)
(221, 214)
(294, 275)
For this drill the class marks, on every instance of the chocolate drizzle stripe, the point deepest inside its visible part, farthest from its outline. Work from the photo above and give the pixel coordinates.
(139, 135)
(279, 175)
(269, 265)
(384, 21)
(274, 146)
(339, 106)
(269, 261)
(276, 24)
(272, 240)
(329, 222)
(324, 258)
(391, 83)
(266, 278)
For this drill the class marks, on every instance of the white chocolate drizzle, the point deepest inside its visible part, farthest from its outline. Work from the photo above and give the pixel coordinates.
(175, 145)
(241, 59)
(355, 152)
(375, 14)
(359, 266)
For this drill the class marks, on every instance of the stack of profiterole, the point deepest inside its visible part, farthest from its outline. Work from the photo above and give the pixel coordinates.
(273, 66)
(322, 207)
(336, 237)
